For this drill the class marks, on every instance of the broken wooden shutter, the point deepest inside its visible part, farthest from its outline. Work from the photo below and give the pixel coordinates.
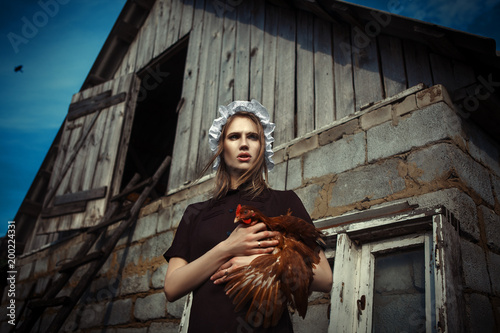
(91, 155)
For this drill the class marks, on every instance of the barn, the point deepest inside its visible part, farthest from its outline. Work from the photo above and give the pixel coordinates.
(387, 129)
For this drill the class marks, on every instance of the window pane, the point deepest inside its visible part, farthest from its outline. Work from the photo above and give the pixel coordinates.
(399, 294)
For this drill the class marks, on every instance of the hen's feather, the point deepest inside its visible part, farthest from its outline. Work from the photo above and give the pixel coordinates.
(271, 282)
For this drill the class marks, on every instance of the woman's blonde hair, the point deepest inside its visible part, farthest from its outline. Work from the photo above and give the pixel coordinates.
(254, 180)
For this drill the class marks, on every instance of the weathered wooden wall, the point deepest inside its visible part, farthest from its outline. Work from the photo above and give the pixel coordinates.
(308, 71)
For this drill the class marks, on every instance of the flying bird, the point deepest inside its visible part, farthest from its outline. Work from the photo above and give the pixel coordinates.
(283, 278)
(18, 68)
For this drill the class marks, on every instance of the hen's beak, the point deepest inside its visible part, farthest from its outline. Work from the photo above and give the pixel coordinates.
(236, 220)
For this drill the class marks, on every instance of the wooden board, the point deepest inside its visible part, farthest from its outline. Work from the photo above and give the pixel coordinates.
(161, 11)
(87, 195)
(228, 55)
(146, 39)
(187, 17)
(393, 65)
(242, 61)
(174, 23)
(323, 73)
(285, 78)
(189, 116)
(210, 68)
(442, 72)
(418, 68)
(305, 74)
(257, 49)
(343, 71)
(269, 73)
(367, 78)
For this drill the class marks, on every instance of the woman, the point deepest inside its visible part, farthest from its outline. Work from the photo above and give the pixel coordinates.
(208, 245)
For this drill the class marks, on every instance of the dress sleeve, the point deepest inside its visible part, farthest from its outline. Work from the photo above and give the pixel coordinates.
(181, 245)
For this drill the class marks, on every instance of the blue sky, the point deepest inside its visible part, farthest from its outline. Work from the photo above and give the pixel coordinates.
(57, 41)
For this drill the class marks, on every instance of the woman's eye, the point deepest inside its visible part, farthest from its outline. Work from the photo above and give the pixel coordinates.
(253, 137)
(233, 137)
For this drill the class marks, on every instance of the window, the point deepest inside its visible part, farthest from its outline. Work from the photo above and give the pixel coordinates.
(395, 274)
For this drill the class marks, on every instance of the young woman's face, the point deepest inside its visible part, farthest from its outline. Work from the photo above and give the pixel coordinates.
(241, 146)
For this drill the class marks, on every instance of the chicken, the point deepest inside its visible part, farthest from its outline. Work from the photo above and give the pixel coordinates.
(283, 278)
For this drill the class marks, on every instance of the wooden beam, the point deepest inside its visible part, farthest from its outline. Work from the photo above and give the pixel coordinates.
(93, 104)
(77, 207)
(87, 195)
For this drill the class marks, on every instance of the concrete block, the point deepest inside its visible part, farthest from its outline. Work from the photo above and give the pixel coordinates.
(494, 269)
(481, 317)
(308, 196)
(484, 150)
(158, 278)
(458, 203)
(294, 177)
(406, 106)
(316, 320)
(303, 146)
(279, 156)
(474, 267)
(92, 315)
(491, 227)
(436, 160)
(104, 288)
(337, 132)
(177, 212)
(120, 313)
(496, 186)
(156, 246)
(376, 117)
(433, 123)
(150, 307)
(163, 327)
(132, 330)
(373, 182)
(277, 176)
(129, 255)
(145, 227)
(336, 157)
(176, 308)
(134, 284)
(164, 220)
(432, 95)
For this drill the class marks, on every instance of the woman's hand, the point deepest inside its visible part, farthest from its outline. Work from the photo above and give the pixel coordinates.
(228, 267)
(250, 240)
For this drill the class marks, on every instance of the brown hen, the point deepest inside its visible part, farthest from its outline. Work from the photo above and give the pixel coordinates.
(272, 282)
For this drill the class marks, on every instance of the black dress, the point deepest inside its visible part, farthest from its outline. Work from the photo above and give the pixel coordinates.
(204, 225)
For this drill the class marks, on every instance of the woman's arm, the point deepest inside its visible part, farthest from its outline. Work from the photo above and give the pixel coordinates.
(323, 275)
(182, 277)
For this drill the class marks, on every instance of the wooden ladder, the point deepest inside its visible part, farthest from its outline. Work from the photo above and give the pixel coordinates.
(96, 258)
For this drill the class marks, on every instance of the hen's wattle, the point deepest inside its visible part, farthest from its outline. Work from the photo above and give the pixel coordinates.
(272, 282)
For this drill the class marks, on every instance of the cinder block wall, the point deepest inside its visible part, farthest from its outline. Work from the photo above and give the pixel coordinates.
(415, 149)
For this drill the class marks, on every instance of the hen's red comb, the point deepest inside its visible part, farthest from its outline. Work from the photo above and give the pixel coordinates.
(238, 209)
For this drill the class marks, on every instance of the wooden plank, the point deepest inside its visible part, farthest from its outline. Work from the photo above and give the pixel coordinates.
(89, 102)
(345, 282)
(305, 74)
(76, 207)
(367, 78)
(285, 78)
(323, 73)
(257, 26)
(187, 18)
(269, 73)
(242, 61)
(464, 74)
(228, 56)
(89, 109)
(161, 10)
(146, 38)
(393, 65)
(343, 71)
(442, 72)
(188, 115)
(210, 68)
(80, 196)
(81, 261)
(133, 85)
(418, 68)
(174, 22)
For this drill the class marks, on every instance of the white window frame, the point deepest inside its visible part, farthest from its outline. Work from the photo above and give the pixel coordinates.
(375, 231)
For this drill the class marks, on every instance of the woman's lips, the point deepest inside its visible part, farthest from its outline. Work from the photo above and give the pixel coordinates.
(244, 157)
